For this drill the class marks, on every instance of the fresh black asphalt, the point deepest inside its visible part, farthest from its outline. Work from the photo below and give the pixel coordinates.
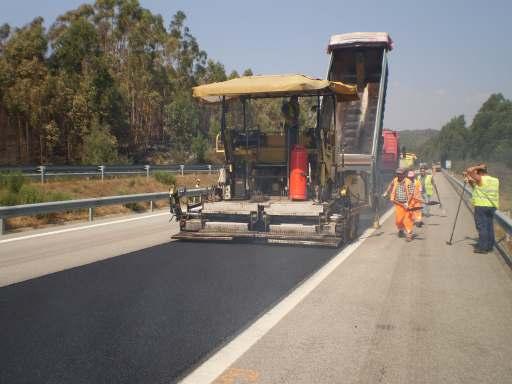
(145, 317)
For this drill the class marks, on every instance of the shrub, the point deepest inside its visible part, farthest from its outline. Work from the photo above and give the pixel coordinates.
(99, 145)
(57, 196)
(28, 194)
(136, 207)
(164, 178)
(199, 147)
(8, 199)
(12, 181)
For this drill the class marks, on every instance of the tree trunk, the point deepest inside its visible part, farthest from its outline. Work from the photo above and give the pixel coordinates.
(27, 141)
(41, 158)
(20, 144)
(68, 147)
(132, 122)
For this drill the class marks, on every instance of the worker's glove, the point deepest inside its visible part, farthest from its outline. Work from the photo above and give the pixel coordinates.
(406, 206)
(384, 195)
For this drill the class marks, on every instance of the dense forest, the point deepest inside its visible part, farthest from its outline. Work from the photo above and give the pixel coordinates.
(488, 137)
(106, 83)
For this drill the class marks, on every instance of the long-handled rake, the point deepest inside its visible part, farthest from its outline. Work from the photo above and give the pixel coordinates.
(432, 202)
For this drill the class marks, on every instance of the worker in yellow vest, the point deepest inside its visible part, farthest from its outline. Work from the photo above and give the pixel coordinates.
(427, 188)
(485, 199)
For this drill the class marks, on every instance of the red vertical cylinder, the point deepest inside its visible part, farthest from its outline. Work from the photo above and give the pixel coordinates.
(298, 172)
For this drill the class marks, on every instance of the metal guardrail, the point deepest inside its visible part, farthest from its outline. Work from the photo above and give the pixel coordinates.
(90, 204)
(69, 205)
(45, 171)
(500, 219)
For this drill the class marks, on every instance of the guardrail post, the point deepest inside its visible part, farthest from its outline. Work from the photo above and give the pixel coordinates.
(150, 205)
(147, 167)
(42, 170)
(209, 169)
(101, 168)
(2, 225)
(91, 213)
(182, 168)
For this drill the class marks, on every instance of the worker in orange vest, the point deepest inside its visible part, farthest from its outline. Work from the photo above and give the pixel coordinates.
(402, 196)
(416, 201)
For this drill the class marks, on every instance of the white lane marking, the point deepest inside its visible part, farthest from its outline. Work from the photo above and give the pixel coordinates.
(212, 368)
(81, 228)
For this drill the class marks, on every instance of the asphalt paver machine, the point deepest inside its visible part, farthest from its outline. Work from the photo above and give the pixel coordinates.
(296, 184)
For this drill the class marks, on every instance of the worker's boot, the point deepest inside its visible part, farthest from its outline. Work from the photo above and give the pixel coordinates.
(409, 237)
(401, 233)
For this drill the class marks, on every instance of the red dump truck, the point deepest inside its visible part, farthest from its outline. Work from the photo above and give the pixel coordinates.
(390, 155)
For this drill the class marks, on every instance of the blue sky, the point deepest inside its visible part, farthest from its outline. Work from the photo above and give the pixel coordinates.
(449, 56)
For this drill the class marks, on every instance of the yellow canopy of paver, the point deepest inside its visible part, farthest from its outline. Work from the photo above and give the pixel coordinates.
(273, 86)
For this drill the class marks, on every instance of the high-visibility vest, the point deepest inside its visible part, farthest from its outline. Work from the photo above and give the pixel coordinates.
(416, 197)
(429, 187)
(487, 194)
(417, 190)
(407, 182)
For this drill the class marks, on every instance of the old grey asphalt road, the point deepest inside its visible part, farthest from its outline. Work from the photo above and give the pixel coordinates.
(36, 253)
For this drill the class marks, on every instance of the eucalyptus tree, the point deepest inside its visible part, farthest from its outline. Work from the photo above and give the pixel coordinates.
(23, 84)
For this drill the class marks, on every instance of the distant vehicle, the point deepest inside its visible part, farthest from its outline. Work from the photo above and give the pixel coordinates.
(390, 151)
(436, 166)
